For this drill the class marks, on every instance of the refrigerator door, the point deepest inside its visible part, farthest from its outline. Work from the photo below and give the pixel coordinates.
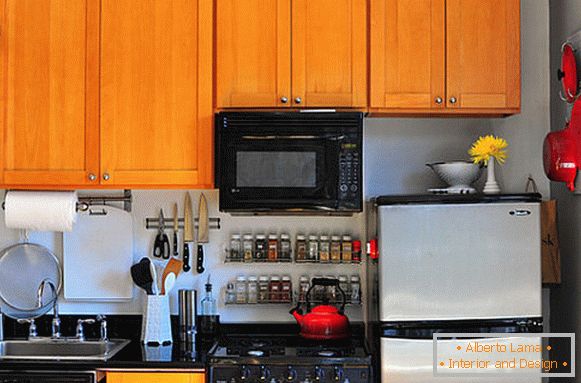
(410, 361)
(459, 261)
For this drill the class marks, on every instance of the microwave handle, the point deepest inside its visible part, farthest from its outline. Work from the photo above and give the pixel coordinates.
(293, 137)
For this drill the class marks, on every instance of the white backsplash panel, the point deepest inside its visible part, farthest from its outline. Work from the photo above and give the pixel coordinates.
(146, 204)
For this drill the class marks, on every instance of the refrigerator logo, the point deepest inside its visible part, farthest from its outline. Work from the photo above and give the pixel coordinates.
(520, 213)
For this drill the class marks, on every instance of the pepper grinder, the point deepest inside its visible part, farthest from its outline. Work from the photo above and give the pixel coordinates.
(187, 300)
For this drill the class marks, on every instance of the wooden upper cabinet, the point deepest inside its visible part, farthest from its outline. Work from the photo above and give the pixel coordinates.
(156, 93)
(407, 43)
(253, 48)
(49, 125)
(483, 54)
(329, 53)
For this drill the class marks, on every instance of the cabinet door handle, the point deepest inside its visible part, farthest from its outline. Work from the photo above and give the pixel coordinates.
(283, 99)
(106, 176)
(439, 100)
(92, 177)
(453, 100)
(298, 100)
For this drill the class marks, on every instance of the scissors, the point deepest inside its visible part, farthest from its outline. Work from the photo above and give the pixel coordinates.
(161, 246)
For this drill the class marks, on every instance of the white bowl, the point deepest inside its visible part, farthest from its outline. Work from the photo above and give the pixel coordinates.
(457, 174)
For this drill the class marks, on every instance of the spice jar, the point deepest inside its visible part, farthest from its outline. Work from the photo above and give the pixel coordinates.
(313, 254)
(235, 248)
(285, 248)
(263, 289)
(346, 249)
(355, 290)
(356, 251)
(318, 292)
(241, 289)
(324, 249)
(286, 289)
(272, 247)
(260, 246)
(330, 293)
(335, 249)
(274, 288)
(344, 285)
(230, 293)
(252, 289)
(301, 252)
(248, 247)
(303, 288)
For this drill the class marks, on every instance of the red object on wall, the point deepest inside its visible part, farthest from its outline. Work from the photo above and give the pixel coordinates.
(568, 73)
(372, 249)
(562, 151)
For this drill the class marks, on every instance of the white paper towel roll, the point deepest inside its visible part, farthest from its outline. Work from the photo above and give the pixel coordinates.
(40, 210)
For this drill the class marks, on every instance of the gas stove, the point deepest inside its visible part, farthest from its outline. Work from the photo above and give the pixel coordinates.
(288, 359)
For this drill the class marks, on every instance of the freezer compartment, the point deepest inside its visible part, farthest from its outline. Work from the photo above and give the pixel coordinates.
(459, 261)
(411, 361)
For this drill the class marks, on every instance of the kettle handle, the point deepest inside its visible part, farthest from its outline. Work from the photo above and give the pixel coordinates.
(326, 282)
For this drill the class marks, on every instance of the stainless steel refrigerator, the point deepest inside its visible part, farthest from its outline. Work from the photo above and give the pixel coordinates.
(451, 264)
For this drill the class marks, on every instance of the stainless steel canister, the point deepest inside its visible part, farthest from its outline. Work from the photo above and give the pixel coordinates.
(187, 300)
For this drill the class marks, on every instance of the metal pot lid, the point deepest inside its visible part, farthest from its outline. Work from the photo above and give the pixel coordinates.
(23, 267)
(568, 73)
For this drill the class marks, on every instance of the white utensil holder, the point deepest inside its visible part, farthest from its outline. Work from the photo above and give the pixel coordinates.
(156, 327)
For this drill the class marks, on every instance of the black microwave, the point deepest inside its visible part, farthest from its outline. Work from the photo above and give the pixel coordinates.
(289, 161)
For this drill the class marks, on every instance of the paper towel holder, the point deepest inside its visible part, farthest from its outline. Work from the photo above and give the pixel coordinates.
(85, 202)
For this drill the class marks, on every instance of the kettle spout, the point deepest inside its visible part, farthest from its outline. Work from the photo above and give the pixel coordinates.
(297, 315)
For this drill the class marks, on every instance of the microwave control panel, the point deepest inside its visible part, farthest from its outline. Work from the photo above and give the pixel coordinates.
(349, 172)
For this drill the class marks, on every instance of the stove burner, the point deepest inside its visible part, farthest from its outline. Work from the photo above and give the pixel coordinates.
(255, 352)
(327, 353)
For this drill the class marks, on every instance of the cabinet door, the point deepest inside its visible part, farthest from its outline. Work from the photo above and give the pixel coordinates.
(156, 93)
(329, 53)
(49, 119)
(253, 47)
(407, 54)
(483, 54)
(153, 377)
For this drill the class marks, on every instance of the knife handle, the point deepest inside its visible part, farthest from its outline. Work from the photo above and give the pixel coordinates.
(200, 260)
(175, 244)
(186, 257)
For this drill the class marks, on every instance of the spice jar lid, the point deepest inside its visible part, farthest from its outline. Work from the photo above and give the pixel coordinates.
(304, 278)
(275, 278)
(357, 245)
(247, 236)
(272, 236)
(346, 238)
(286, 278)
(252, 278)
(285, 236)
(342, 278)
(241, 278)
(313, 237)
(300, 237)
(235, 236)
(260, 236)
(263, 278)
(355, 278)
(335, 238)
(324, 237)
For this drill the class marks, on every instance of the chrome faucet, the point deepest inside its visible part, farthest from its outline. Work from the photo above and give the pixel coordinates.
(56, 321)
(32, 332)
(103, 320)
(80, 336)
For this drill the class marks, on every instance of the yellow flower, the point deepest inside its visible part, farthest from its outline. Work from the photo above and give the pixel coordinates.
(486, 147)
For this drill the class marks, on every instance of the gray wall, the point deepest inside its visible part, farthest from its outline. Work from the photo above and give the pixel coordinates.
(565, 20)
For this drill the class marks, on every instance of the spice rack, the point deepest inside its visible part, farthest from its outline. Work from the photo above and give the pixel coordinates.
(324, 249)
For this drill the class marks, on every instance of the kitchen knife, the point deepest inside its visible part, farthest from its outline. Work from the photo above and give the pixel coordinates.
(188, 231)
(203, 236)
(175, 229)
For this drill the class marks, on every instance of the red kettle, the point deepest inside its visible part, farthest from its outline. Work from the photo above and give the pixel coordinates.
(323, 322)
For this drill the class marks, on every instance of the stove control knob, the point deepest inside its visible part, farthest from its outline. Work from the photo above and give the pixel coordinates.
(338, 374)
(264, 373)
(291, 374)
(244, 373)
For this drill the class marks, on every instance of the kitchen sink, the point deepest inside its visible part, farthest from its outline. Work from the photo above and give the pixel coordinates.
(60, 349)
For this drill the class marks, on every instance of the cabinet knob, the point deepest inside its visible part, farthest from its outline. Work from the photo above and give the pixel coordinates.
(298, 100)
(92, 177)
(283, 99)
(439, 100)
(453, 100)
(106, 176)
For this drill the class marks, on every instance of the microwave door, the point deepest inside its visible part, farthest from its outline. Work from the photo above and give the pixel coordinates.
(290, 172)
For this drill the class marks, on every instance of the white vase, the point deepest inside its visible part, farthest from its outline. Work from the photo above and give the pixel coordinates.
(491, 186)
